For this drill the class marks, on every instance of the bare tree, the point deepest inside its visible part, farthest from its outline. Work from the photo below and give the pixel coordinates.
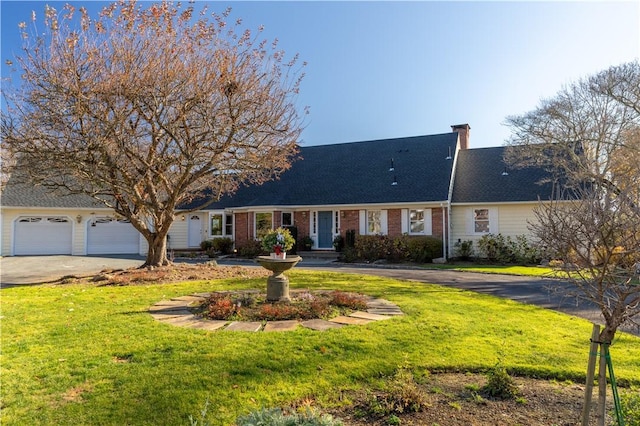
(150, 109)
(588, 136)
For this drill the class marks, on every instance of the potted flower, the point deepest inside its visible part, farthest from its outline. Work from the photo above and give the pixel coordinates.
(277, 242)
(307, 243)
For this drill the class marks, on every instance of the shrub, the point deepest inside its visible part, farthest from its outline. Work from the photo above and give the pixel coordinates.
(398, 249)
(401, 395)
(424, 249)
(306, 243)
(349, 255)
(499, 384)
(493, 248)
(464, 249)
(525, 252)
(338, 243)
(350, 238)
(206, 245)
(404, 393)
(276, 417)
(498, 248)
(250, 249)
(223, 245)
(372, 247)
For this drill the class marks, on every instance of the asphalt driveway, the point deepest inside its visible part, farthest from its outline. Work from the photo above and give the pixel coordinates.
(546, 293)
(23, 270)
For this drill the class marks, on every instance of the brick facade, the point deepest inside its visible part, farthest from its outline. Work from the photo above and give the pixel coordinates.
(241, 229)
(349, 219)
(394, 222)
(301, 221)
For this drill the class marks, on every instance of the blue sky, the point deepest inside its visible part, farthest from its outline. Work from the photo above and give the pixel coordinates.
(391, 69)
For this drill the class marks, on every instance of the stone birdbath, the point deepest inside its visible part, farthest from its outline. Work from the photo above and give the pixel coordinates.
(278, 283)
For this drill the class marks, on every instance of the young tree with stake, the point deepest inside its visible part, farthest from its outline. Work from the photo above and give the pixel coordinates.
(588, 136)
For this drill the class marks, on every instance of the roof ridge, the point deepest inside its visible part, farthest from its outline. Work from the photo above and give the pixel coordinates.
(381, 140)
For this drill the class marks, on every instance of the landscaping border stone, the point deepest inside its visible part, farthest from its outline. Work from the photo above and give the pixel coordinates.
(177, 312)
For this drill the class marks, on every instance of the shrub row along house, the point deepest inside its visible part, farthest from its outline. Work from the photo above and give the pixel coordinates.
(430, 185)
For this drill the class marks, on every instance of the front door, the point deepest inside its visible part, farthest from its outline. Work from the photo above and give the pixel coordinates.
(195, 231)
(325, 230)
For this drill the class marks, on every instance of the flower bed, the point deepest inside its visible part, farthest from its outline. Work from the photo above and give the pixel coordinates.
(246, 306)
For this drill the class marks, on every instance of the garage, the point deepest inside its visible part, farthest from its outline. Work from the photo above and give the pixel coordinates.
(107, 235)
(40, 235)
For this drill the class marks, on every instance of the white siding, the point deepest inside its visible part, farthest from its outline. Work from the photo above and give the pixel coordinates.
(9, 216)
(506, 219)
(78, 246)
(178, 233)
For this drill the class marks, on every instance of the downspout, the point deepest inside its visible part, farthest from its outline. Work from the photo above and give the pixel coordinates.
(445, 234)
(449, 225)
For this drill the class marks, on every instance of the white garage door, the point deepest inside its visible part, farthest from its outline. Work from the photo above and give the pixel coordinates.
(43, 235)
(110, 236)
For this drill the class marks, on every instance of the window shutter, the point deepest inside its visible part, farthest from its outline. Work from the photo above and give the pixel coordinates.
(494, 225)
(428, 222)
(363, 222)
(404, 221)
(383, 222)
(469, 221)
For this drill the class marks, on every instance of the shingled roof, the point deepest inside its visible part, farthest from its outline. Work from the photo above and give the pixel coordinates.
(17, 193)
(359, 173)
(482, 176)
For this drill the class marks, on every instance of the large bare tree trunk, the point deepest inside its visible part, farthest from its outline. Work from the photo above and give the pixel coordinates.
(145, 116)
(157, 254)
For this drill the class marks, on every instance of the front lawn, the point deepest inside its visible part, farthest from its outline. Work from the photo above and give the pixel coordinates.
(529, 271)
(83, 354)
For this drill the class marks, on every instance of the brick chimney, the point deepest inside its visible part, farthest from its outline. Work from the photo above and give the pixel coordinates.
(463, 134)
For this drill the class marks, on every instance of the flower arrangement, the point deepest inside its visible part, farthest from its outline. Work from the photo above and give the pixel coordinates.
(278, 241)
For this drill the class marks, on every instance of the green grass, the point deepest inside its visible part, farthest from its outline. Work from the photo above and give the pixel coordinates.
(85, 355)
(530, 271)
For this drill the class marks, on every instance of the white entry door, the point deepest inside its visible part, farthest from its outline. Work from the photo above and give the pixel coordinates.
(195, 231)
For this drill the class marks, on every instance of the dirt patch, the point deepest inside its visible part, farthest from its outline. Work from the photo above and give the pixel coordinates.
(175, 272)
(453, 399)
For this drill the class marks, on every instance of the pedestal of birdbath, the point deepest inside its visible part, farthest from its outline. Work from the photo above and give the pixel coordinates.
(278, 283)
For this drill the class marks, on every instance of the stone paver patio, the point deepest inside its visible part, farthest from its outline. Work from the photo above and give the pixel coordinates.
(177, 312)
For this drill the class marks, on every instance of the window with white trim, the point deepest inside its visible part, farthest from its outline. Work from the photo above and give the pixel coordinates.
(216, 225)
(374, 222)
(228, 225)
(287, 219)
(220, 224)
(416, 221)
(314, 223)
(263, 224)
(481, 223)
